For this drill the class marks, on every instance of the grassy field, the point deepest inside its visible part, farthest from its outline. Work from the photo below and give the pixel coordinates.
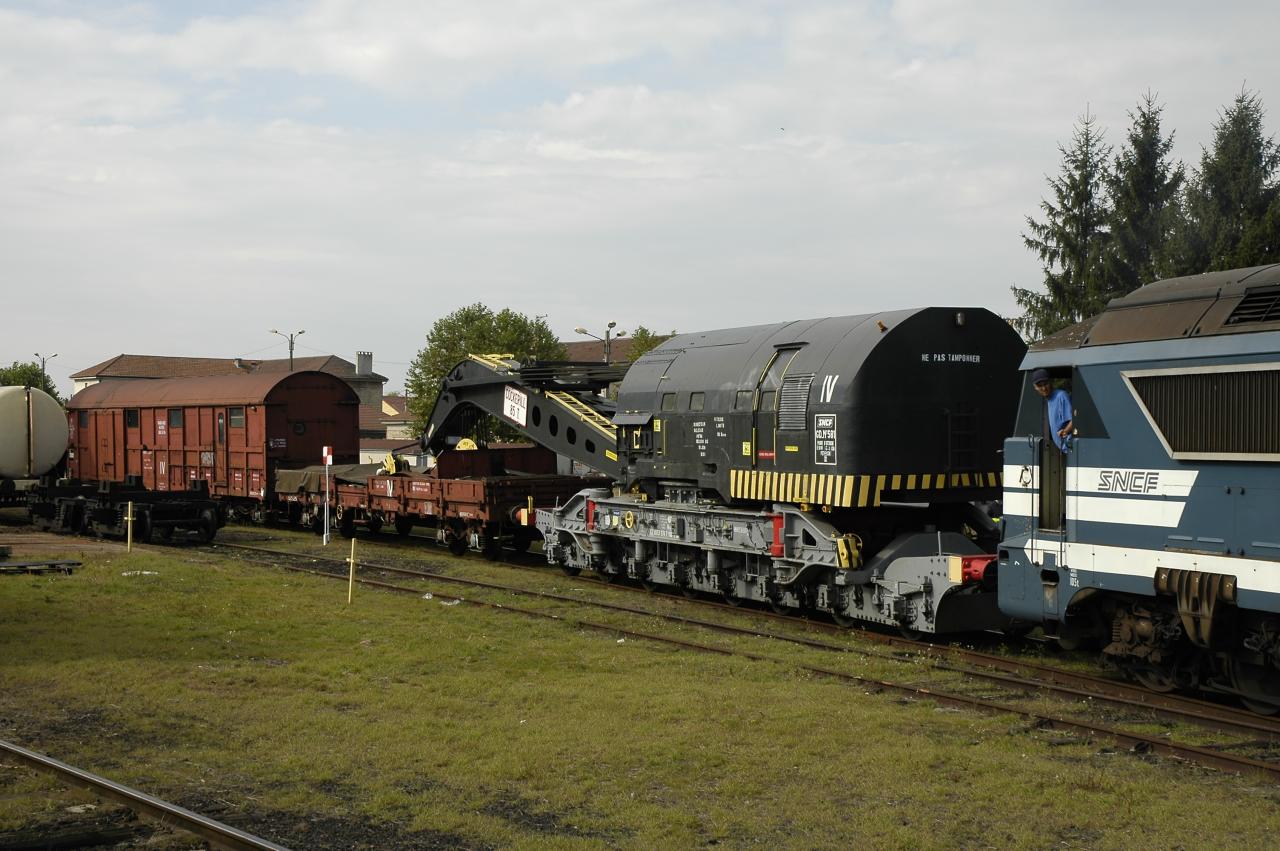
(401, 722)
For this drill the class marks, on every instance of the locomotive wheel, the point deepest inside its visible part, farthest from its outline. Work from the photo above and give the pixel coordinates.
(1152, 678)
(909, 633)
(1258, 687)
(166, 533)
(606, 577)
(690, 592)
(570, 571)
(778, 607)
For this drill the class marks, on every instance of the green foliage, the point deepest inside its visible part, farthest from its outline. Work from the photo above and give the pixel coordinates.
(474, 329)
(28, 375)
(1143, 189)
(1072, 239)
(1230, 213)
(643, 340)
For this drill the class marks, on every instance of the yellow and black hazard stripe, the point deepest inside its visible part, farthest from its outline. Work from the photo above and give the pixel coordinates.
(849, 491)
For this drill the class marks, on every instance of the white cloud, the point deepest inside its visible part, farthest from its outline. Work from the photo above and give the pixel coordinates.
(363, 168)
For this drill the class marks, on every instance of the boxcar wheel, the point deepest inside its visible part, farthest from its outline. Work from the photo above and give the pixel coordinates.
(142, 528)
(404, 525)
(347, 525)
(206, 526)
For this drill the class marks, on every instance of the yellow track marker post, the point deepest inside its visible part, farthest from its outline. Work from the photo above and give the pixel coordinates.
(128, 523)
(351, 580)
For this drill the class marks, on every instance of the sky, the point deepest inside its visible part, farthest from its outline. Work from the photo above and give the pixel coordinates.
(179, 181)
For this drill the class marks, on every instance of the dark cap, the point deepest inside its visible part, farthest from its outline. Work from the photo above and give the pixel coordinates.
(1040, 375)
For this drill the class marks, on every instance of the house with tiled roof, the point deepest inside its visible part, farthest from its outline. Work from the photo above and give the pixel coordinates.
(360, 375)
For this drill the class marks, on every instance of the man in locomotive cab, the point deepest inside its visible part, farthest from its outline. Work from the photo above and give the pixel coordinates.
(1058, 408)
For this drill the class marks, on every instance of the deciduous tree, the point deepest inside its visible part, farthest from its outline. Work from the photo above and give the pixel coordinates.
(474, 329)
(28, 375)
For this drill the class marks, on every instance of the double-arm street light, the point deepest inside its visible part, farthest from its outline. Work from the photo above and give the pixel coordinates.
(608, 332)
(44, 380)
(290, 338)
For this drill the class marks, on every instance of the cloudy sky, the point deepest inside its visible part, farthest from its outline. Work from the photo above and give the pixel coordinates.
(179, 181)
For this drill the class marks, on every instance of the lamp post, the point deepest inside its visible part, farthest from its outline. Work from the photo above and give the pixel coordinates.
(44, 379)
(290, 338)
(608, 343)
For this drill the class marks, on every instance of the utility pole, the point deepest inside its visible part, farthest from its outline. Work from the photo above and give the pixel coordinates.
(290, 338)
(44, 378)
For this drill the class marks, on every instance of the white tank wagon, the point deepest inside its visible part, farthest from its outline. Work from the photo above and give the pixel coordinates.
(33, 435)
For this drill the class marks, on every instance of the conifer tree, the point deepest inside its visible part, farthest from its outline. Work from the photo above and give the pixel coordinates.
(1071, 240)
(1229, 214)
(1143, 192)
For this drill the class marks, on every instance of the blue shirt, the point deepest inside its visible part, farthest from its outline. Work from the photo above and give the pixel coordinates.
(1059, 403)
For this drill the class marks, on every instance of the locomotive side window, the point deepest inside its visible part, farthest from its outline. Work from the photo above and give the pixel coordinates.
(668, 401)
(175, 418)
(767, 400)
(696, 401)
(82, 419)
(235, 417)
(744, 400)
(131, 418)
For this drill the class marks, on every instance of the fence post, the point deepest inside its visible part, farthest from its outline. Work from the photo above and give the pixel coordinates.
(351, 580)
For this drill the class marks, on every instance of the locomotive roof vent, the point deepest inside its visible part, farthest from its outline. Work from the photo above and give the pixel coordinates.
(1257, 306)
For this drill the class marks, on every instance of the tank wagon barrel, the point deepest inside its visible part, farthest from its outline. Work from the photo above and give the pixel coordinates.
(33, 437)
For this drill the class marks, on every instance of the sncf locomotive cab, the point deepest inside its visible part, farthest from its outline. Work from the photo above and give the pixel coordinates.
(1153, 535)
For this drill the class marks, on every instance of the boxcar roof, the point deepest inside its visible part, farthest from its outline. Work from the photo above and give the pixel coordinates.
(244, 389)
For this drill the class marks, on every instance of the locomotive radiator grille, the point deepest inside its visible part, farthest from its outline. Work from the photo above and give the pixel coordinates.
(849, 491)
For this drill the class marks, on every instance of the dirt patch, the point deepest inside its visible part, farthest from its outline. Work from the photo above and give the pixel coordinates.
(523, 813)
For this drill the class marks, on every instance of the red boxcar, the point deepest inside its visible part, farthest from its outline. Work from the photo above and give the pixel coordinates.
(232, 431)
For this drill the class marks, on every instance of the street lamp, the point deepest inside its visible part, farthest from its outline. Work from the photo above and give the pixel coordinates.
(605, 339)
(44, 380)
(289, 337)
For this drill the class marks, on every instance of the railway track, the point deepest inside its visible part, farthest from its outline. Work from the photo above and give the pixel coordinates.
(217, 834)
(962, 663)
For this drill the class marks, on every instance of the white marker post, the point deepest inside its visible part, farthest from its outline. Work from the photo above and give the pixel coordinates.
(328, 462)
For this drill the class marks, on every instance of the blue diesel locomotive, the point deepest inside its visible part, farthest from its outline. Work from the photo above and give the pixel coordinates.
(1156, 536)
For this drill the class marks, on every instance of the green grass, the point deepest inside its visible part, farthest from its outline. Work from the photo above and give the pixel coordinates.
(399, 719)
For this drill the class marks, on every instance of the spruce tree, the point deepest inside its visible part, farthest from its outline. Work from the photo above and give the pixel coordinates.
(1143, 191)
(1229, 220)
(1071, 240)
